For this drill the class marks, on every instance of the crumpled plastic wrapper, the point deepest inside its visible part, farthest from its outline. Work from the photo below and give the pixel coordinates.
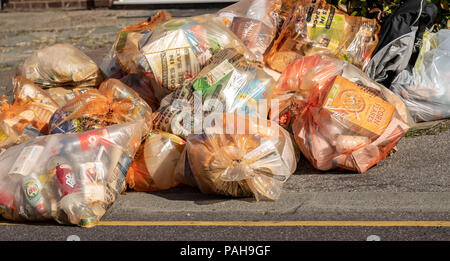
(340, 118)
(255, 22)
(113, 103)
(253, 163)
(61, 65)
(315, 27)
(28, 116)
(229, 83)
(70, 178)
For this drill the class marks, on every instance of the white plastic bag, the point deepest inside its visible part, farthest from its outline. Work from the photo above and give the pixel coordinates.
(426, 90)
(71, 178)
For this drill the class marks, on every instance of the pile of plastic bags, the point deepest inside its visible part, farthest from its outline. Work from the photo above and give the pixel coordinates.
(223, 102)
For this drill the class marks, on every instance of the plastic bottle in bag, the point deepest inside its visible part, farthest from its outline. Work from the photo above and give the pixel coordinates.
(71, 178)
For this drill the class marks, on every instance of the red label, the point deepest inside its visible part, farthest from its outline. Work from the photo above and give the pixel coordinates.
(66, 179)
(93, 138)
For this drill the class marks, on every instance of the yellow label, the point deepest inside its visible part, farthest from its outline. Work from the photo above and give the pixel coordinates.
(170, 136)
(3, 135)
(325, 28)
(362, 110)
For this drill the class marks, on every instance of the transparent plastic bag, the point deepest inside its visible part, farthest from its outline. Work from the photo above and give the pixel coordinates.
(70, 178)
(255, 22)
(61, 65)
(229, 83)
(315, 27)
(126, 46)
(29, 114)
(153, 168)
(255, 163)
(426, 90)
(340, 118)
(177, 50)
(112, 103)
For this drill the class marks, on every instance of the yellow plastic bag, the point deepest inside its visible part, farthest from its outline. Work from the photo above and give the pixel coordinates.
(315, 27)
(229, 83)
(61, 65)
(225, 161)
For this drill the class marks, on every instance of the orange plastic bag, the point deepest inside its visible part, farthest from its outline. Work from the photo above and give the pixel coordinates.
(340, 118)
(29, 114)
(113, 103)
(315, 27)
(153, 168)
(126, 46)
(240, 156)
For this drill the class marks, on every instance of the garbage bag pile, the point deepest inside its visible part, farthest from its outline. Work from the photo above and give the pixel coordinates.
(222, 102)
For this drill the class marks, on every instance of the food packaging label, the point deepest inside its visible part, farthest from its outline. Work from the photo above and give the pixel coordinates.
(361, 110)
(92, 181)
(325, 28)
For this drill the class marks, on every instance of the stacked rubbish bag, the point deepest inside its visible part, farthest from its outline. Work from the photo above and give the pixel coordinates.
(226, 103)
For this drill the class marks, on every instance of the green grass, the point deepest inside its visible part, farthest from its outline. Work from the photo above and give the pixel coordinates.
(441, 127)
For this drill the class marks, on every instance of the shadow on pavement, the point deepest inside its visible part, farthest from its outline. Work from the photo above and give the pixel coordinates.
(304, 167)
(194, 195)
